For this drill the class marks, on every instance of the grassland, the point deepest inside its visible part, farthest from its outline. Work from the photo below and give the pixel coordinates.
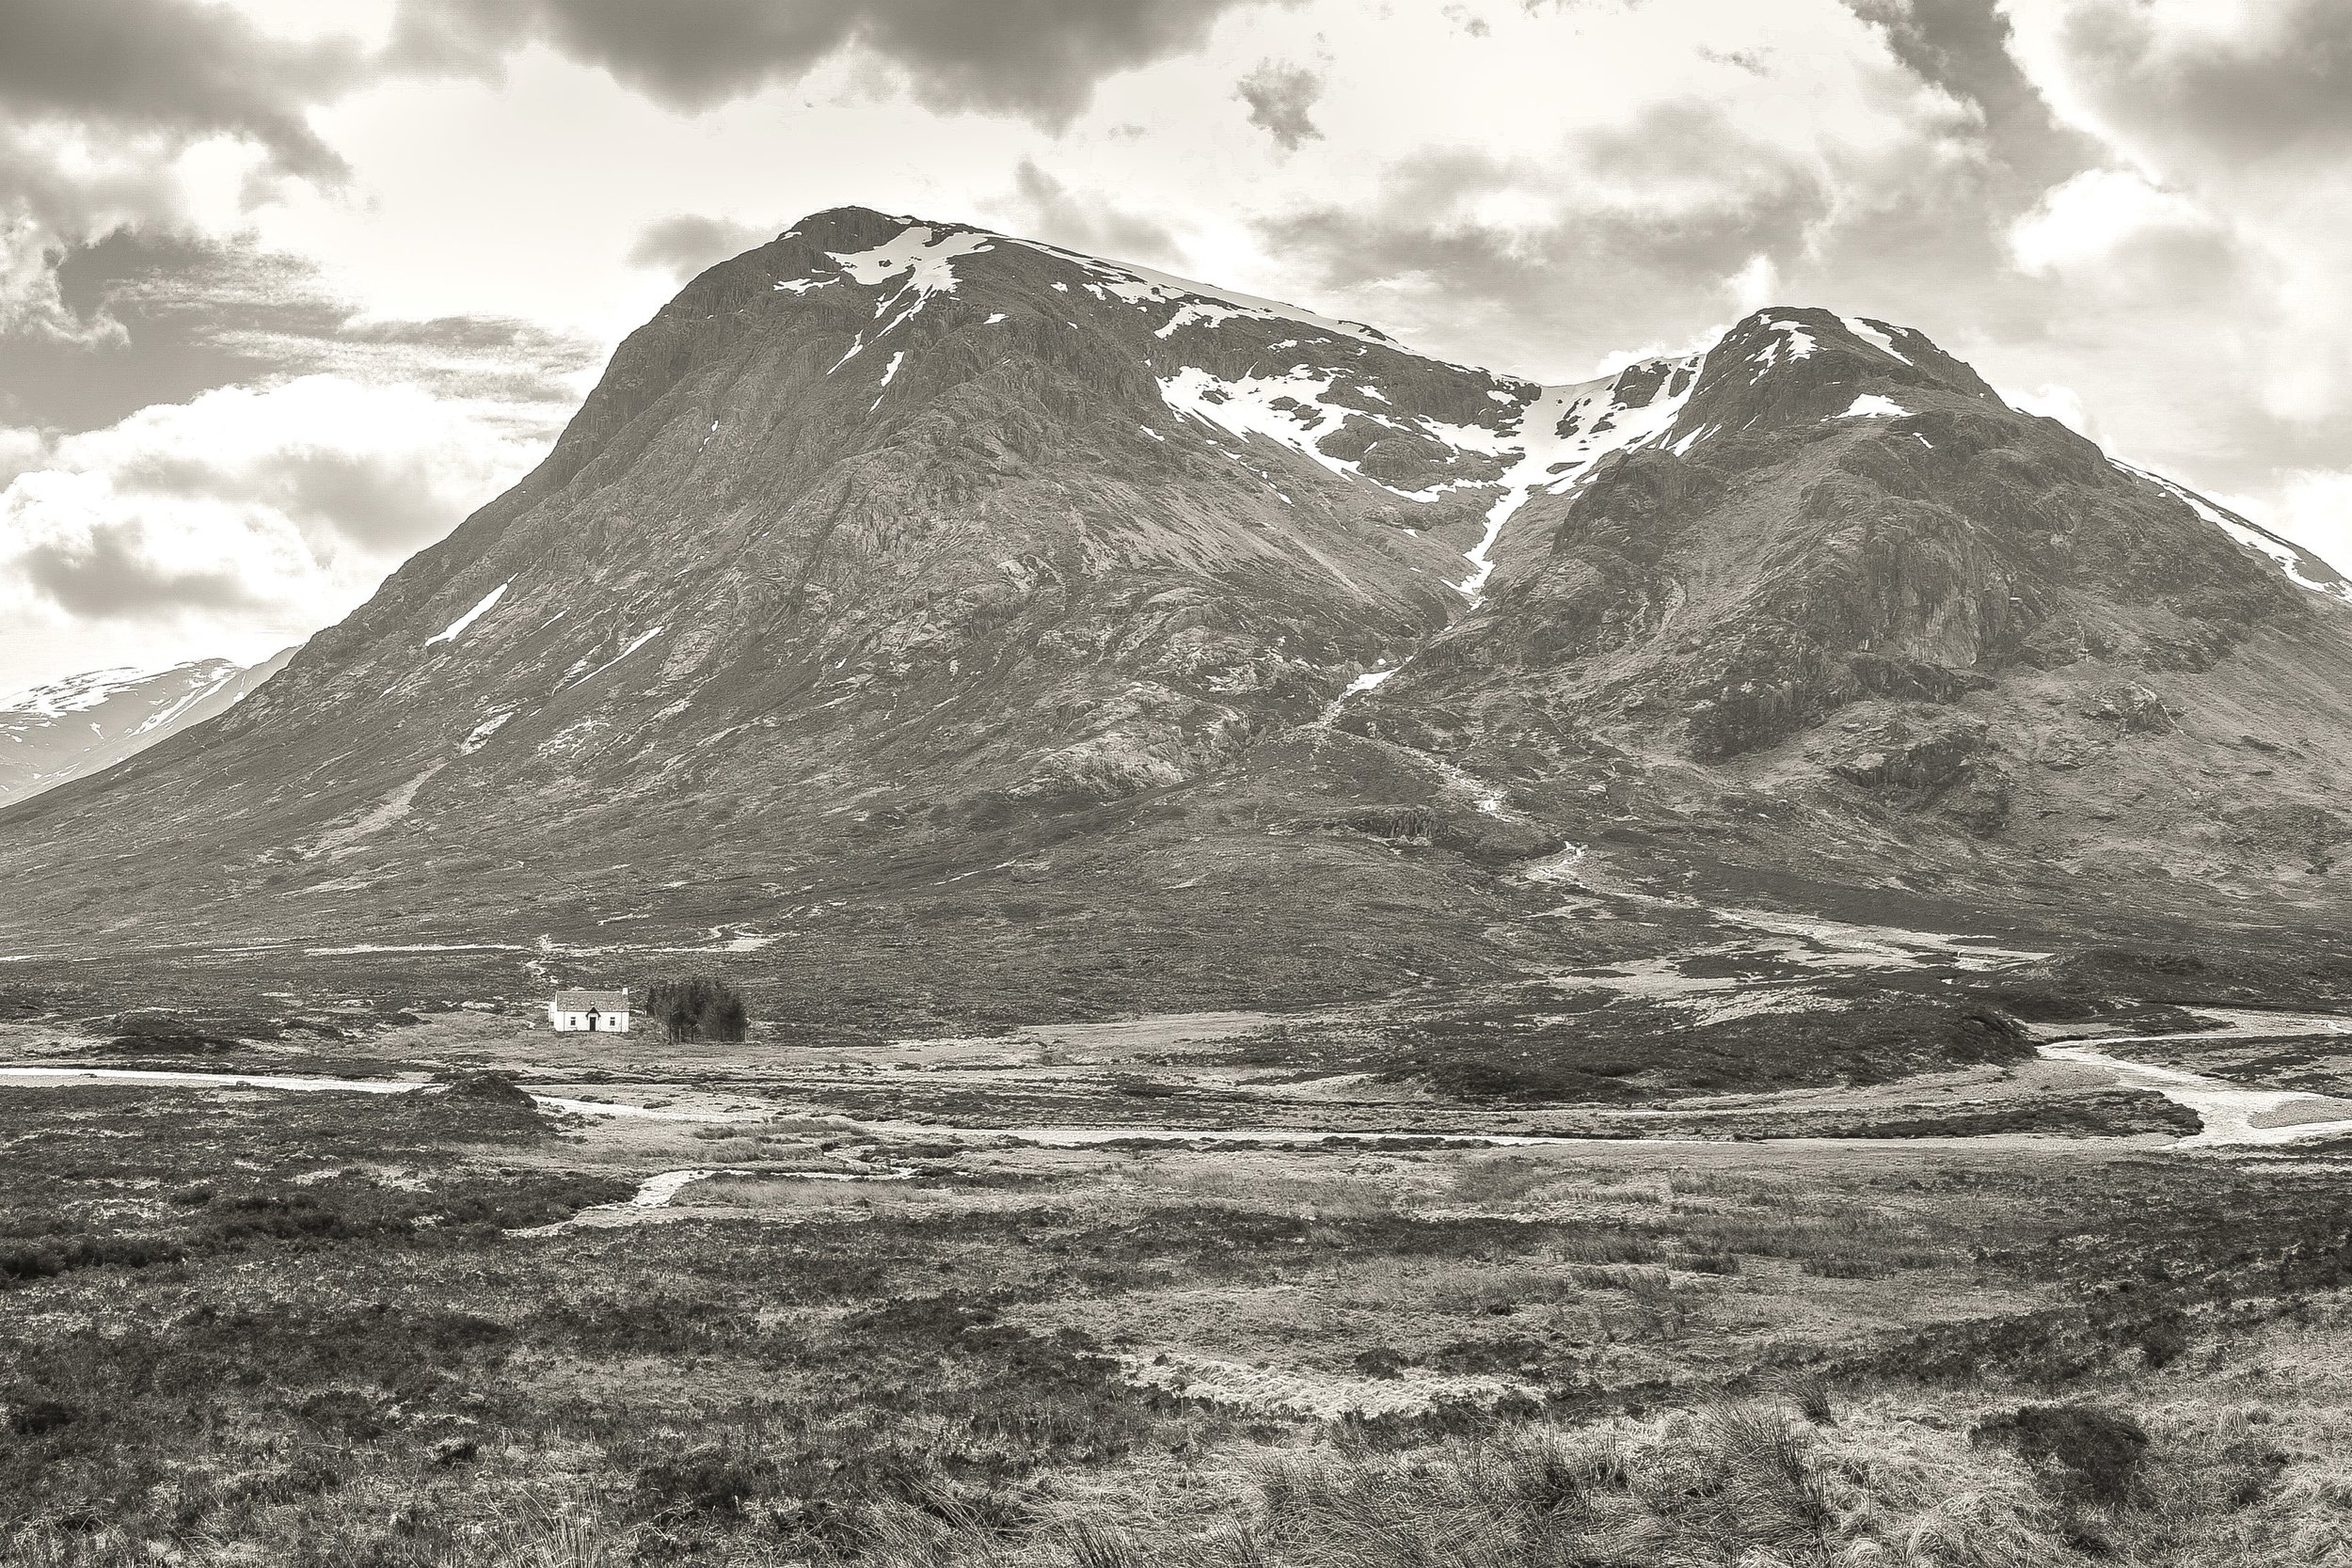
(1830, 1268)
(266, 1328)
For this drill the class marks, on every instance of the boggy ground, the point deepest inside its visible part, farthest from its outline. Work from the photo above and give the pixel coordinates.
(273, 1327)
(1840, 1270)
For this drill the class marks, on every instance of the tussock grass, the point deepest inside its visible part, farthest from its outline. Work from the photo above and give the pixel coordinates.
(350, 1363)
(1322, 1195)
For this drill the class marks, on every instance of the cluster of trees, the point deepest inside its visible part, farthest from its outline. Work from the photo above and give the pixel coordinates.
(698, 1007)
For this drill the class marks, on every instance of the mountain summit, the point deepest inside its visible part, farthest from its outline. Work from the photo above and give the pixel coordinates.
(996, 619)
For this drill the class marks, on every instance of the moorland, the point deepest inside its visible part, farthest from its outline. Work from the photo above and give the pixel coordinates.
(1842, 1266)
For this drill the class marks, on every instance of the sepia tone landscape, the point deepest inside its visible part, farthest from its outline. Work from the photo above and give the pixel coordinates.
(1013, 910)
(1254, 1057)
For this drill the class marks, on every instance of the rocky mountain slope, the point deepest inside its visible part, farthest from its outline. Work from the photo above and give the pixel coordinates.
(83, 723)
(949, 617)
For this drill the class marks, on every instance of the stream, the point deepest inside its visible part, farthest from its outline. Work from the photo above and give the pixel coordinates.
(2233, 1115)
(349, 1086)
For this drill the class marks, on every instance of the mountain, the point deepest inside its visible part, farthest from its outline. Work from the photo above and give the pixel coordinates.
(975, 630)
(90, 721)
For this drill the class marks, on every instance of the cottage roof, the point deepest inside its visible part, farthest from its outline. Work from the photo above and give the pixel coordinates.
(602, 1000)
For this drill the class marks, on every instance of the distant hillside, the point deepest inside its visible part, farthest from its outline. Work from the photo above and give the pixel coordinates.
(76, 726)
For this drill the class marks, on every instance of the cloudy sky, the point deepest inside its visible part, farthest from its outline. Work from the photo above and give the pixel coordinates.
(287, 289)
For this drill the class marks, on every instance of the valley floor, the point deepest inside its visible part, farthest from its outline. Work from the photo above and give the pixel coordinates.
(1420, 1283)
(279, 1327)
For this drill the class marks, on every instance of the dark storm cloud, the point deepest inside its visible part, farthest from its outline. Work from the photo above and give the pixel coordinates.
(1040, 58)
(1962, 48)
(35, 184)
(384, 503)
(387, 506)
(2275, 88)
(110, 577)
(166, 67)
(1594, 271)
(1280, 97)
(150, 315)
(185, 315)
(134, 83)
(1046, 209)
(686, 243)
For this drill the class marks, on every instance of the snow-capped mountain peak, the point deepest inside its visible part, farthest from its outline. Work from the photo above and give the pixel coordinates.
(95, 687)
(79, 724)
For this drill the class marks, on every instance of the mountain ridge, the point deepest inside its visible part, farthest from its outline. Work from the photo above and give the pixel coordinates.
(896, 564)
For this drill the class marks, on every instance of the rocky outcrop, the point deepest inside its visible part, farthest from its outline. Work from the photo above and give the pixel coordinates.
(1917, 756)
(2132, 708)
(1918, 750)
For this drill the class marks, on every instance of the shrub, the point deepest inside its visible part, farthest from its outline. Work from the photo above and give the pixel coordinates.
(2097, 1451)
(24, 1264)
(698, 1007)
(1813, 1401)
(498, 1088)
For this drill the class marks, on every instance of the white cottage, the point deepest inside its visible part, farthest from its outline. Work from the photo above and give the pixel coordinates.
(598, 1013)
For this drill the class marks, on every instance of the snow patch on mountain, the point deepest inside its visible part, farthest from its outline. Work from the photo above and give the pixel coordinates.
(481, 734)
(1565, 432)
(79, 693)
(2304, 569)
(889, 373)
(1198, 304)
(1870, 406)
(643, 639)
(1294, 408)
(1875, 337)
(926, 262)
(200, 690)
(1557, 438)
(457, 628)
(1194, 313)
(64, 729)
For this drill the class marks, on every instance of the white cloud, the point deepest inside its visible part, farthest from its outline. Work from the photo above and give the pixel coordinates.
(525, 197)
(1756, 285)
(2312, 507)
(2083, 223)
(241, 520)
(19, 451)
(2244, 109)
(2054, 402)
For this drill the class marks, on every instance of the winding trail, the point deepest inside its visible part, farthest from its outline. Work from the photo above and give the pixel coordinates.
(661, 1190)
(655, 1192)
